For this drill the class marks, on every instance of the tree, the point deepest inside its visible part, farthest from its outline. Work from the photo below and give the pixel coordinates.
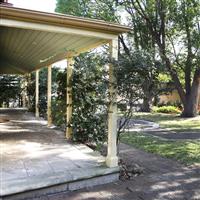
(175, 27)
(10, 89)
(89, 86)
(138, 78)
(137, 42)
(140, 51)
(98, 9)
(73, 7)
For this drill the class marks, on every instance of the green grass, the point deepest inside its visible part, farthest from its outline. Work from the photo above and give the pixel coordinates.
(172, 121)
(187, 152)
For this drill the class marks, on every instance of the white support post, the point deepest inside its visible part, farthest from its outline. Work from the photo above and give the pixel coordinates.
(37, 94)
(70, 63)
(49, 80)
(24, 85)
(112, 159)
(28, 84)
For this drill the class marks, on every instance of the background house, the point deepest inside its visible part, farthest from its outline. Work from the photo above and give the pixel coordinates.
(172, 97)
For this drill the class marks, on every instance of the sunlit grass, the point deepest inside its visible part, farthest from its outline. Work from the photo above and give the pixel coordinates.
(187, 152)
(172, 121)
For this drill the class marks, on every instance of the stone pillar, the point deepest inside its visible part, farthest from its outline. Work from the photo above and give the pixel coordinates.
(70, 63)
(37, 94)
(49, 80)
(112, 159)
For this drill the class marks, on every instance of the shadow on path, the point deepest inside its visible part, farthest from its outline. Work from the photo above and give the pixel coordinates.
(163, 179)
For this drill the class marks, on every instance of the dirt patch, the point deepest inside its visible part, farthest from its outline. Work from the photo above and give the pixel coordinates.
(3, 120)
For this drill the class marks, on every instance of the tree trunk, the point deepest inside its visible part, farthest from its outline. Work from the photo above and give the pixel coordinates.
(190, 107)
(189, 98)
(146, 105)
(192, 100)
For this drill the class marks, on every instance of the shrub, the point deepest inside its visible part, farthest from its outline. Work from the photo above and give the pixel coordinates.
(89, 91)
(177, 104)
(122, 107)
(166, 109)
(90, 98)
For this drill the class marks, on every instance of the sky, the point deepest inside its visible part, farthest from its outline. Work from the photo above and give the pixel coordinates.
(41, 5)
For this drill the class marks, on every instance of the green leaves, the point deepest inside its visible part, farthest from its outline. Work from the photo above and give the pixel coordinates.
(89, 97)
(10, 89)
(98, 9)
(89, 90)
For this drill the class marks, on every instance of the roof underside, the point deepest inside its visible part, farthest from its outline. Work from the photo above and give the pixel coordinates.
(30, 40)
(24, 50)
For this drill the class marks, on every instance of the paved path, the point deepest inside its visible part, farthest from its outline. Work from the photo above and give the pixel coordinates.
(34, 156)
(154, 129)
(163, 179)
(172, 135)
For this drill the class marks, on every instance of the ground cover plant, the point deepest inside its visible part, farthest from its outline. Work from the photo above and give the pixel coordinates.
(166, 109)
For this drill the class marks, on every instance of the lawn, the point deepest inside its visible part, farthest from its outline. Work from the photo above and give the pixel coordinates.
(187, 152)
(172, 121)
(183, 151)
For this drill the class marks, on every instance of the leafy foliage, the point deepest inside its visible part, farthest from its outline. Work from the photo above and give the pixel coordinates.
(98, 9)
(166, 109)
(89, 93)
(136, 72)
(137, 77)
(10, 89)
(42, 89)
(174, 28)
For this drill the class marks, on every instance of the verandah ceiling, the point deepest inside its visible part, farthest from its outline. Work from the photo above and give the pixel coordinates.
(23, 50)
(30, 40)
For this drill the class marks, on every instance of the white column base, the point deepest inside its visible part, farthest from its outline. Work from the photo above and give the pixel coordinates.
(69, 134)
(49, 125)
(37, 116)
(112, 161)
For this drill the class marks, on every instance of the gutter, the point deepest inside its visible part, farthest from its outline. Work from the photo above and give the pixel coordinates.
(7, 12)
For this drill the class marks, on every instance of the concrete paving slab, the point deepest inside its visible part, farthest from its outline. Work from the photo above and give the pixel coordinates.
(169, 180)
(37, 160)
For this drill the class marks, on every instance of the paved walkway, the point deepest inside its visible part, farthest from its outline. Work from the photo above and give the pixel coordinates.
(163, 179)
(172, 135)
(34, 156)
(154, 129)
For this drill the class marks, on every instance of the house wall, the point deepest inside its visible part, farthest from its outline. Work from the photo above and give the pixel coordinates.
(172, 97)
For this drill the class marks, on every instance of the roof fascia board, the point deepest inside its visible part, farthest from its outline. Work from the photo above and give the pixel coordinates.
(55, 29)
(62, 20)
